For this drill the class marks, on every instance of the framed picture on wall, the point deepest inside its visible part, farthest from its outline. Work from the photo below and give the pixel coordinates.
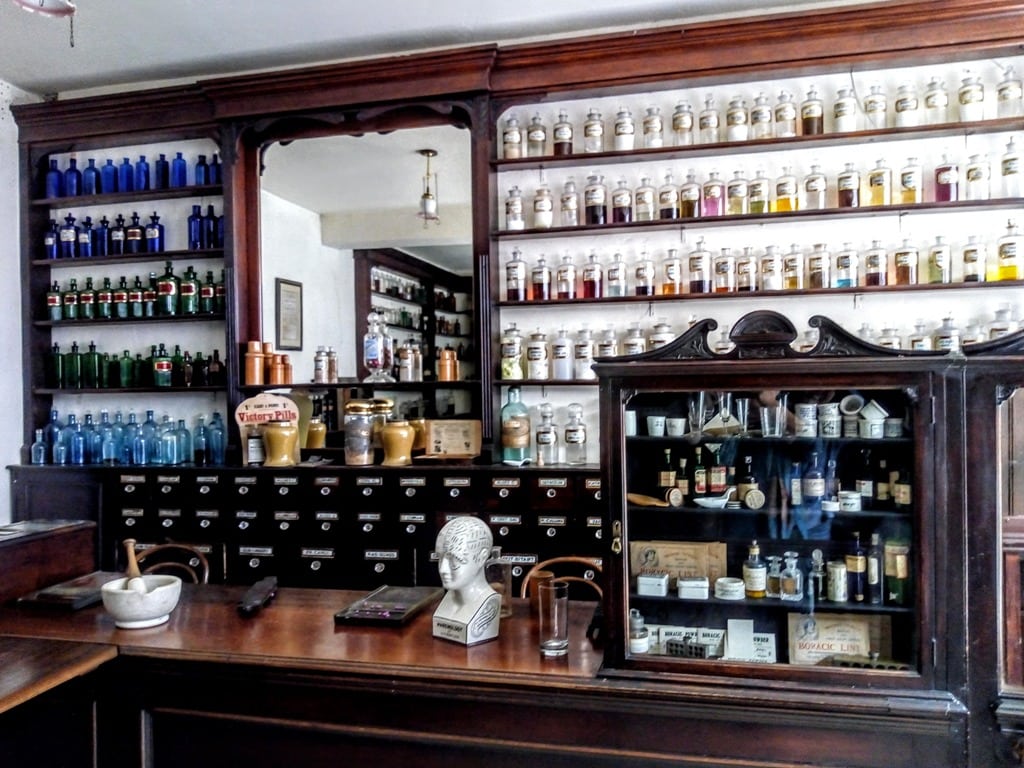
(288, 313)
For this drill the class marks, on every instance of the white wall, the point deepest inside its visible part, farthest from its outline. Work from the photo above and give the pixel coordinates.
(292, 249)
(10, 293)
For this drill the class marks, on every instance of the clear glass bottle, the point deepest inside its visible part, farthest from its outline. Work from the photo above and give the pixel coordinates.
(724, 267)
(846, 271)
(815, 190)
(538, 362)
(759, 193)
(708, 121)
(546, 437)
(940, 262)
(947, 181)
(616, 277)
(761, 118)
(653, 128)
(1009, 256)
(889, 338)
(787, 197)
(1003, 325)
(511, 344)
(644, 277)
(876, 265)
(515, 277)
(565, 278)
(682, 124)
(812, 114)
(699, 263)
(608, 344)
(974, 257)
(971, 98)
(668, 198)
(737, 195)
(793, 269)
(911, 183)
(772, 583)
(562, 134)
(593, 132)
(1010, 171)
(818, 263)
(644, 200)
(978, 178)
(569, 204)
(844, 111)
(583, 355)
(713, 194)
(947, 336)
(540, 280)
(672, 274)
(622, 203)
(512, 138)
(514, 219)
(785, 116)
(771, 270)
(575, 436)
(848, 187)
(1009, 95)
(880, 184)
(635, 342)
(593, 277)
(624, 131)
(936, 102)
(639, 635)
(876, 108)
(536, 138)
(920, 338)
(906, 107)
(746, 271)
(791, 581)
(595, 200)
(38, 451)
(906, 258)
(561, 356)
(690, 196)
(737, 120)
(755, 573)
(515, 430)
(543, 207)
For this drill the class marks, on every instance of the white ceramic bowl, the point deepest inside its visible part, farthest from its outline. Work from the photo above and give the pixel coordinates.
(713, 502)
(136, 610)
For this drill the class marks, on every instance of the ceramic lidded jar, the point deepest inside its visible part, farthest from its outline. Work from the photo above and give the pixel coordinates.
(397, 438)
(279, 441)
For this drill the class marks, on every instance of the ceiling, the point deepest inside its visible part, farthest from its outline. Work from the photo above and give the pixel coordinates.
(154, 42)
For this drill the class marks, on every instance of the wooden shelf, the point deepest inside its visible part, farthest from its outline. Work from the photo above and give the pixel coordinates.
(171, 193)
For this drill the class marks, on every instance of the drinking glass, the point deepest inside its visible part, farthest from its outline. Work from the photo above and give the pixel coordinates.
(743, 413)
(554, 618)
(696, 414)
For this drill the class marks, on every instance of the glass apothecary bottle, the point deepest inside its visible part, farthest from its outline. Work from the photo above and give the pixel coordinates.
(575, 436)
(1008, 253)
(595, 200)
(724, 267)
(561, 356)
(746, 271)
(661, 334)
(793, 269)
(653, 128)
(755, 573)
(785, 116)
(540, 280)
(906, 107)
(562, 134)
(593, 132)
(876, 264)
(708, 121)
(536, 137)
(876, 108)
(815, 190)
(543, 207)
(672, 274)
(759, 193)
(690, 194)
(848, 187)
(761, 118)
(565, 278)
(512, 138)
(847, 263)
(737, 195)
(791, 580)
(376, 351)
(1010, 95)
(515, 430)
(974, 257)
(978, 178)
(947, 336)
(538, 362)
(635, 342)
(514, 210)
(971, 98)
(936, 102)
(625, 130)
(546, 437)
(911, 182)
(889, 338)
(593, 277)
(515, 277)
(880, 184)
(920, 338)
(622, 203)
(818, 264)
(512, 354)
(644, 200)
(713, 194)
(906, 258)
(771, 269)
(1003, 325)
(947, 180)
(844, 111)
(812, 114)
(668, 198)
(786, 197)
(737, 120)
(1010, 171)
(616, 277)
(940, 262)
(682, 124)
(569, 204)
(699, 263)
(583, 355)
(608, 344)
(643, 276)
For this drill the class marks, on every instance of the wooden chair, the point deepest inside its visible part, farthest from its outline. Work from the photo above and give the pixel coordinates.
(177, 559)
(571, 568)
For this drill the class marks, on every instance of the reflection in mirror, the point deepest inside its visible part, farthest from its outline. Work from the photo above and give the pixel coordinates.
(321, 198)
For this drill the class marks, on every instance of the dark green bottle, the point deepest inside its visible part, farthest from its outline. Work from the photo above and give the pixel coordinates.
(162, 368)
(91, 367)
(54, 303)
(121, 299)
(189, 291)
(87, 301)
(168, 293)
(72, 375)
(135, 304)
(125, 371)
(208, 295)
(105, 300)
(69, 300)
(54, 374)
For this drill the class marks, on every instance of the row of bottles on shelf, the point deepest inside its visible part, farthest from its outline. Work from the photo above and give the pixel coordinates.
(264, 365)
(518, 439)
(401, 317)
(387, 360)
(71, 240)
(165, 296)
(119, 443)
(728, 271)
(786, 118)
(397, 286)
(952, 181)
(946, 337)
(73, 181)
(93, 369)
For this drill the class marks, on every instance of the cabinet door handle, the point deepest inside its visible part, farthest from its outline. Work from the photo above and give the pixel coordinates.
(617, 537)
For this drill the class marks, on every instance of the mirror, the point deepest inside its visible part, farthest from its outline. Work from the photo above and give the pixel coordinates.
(321, 198)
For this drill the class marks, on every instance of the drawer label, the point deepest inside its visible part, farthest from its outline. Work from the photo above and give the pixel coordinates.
(380, 554)
(168, 513)
(369, 480)
(331, 481)
(411, 517)
(326, 515)
(168, 478)
(505, 519)
(131, 512)
(552, 482)
(412, 482)
(208, 479)
(287, 480)
(245, 514)
(370, 516)
(245, 480)
(456, 482)
(211, 513)
(321, 553)
(592, 484)
(258, 551)
(286, 515)
(552, 520)
(505, 482)
(133, 479)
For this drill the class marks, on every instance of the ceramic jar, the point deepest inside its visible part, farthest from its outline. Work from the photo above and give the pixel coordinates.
(397, 438)
(280, 440)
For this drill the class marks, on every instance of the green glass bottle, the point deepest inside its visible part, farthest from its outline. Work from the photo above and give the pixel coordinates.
(54, 304)
(208, 294)
(168, 293)
(135, 293)
(72, 374)
(515, 430)
(125, 371)
(121, 299)
(162, 368)
(188, 288)
(87, 301)
(69, 301)
(91, 367)
(105, 300)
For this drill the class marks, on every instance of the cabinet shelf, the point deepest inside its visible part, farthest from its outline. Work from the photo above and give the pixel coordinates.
(171, 193)
(757, 146)
(711, 222)
(126, 390)
(217, 317)
(692, 510)
(548, 383)
(823, 606)
(132, 258)
(397, 386)
(784, 440)
(397, 299)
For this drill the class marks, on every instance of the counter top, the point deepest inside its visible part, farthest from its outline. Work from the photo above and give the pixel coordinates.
(297, 631)
(30, 667)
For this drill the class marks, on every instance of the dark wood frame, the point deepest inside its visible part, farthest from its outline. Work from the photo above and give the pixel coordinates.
(280, 287)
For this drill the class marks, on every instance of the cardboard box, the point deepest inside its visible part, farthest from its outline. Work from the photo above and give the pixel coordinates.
(453, 438)
(679, 558)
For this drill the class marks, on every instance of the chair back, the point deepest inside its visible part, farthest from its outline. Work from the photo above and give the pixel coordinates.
(176, 559)
(571, 568)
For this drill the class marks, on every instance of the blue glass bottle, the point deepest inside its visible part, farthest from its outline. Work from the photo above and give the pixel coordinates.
(151, 435)
(76, 447)
(142, 174)
(68, 238)
(202, 172)
(85, 239)
(51, 240)
(209, 236)
(161, 173)
(72, 179)
(101, 238)
(140, 449)
(117, 235)
(195, 229)
(51, 431)
(135, 236)
(92, 182)
(131, 430)
(126, 176)
(38, 449)
(54, 181)
(214, 172)
(170, 448)
(67, 430)
(219, 235)
(184, 440)
(200, 445)
(179, 171)
(93, 441)
(108, 177)
(216, 440)
(154, 234)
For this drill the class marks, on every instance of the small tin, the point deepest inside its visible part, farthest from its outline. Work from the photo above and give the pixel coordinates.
(872, 429)
(893, 428)
(828, 410)
(806, 428)
(652, 585)
(731, 588)
(805, 411)
(693, 587)
(849, 501)
(830, 426)
(850, 428)
(837, 581)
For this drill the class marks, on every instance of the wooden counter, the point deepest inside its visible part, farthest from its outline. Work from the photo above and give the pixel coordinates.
(31, 667)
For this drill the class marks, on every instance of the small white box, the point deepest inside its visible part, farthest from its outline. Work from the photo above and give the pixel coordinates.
(693, 587)
(652, 585)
